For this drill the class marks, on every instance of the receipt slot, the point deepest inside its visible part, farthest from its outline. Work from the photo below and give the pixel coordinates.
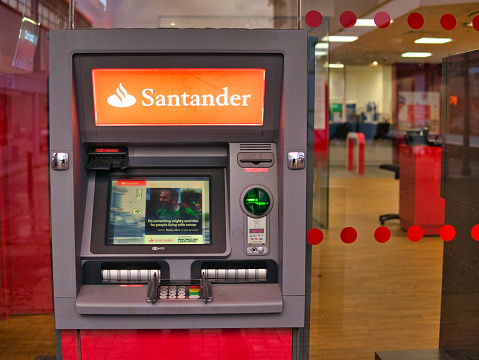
(179, 187)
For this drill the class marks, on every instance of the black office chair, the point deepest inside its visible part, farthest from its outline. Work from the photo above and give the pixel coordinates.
(395, 169)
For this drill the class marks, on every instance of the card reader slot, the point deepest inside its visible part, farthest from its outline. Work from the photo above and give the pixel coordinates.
(106, 158)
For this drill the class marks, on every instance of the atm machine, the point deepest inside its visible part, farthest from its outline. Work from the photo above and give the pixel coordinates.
(179, 182)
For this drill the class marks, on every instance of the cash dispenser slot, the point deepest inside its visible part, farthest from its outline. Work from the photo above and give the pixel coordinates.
(129, 276)
(236, 271)
(99, 272)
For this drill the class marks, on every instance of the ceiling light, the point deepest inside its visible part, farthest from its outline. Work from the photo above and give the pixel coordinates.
(365, 22)
(412, 54)
(374, 63)
(336, 66)
(337, 38)
(426, 40)
(30, 21)
(321, 46)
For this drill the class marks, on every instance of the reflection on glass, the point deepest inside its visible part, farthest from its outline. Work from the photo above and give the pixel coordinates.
(189, 14)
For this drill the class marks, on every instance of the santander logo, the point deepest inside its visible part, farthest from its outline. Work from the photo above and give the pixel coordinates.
(121, 99)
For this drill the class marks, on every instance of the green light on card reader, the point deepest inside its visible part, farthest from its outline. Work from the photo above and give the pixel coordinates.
(256, 201)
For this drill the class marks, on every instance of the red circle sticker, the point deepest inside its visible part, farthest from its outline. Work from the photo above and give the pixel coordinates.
(315, 236)
(475, 232)
(382, 20)
(448, 21)
(313, 18)
(382, 234)
(447, 232)
(415, 21)
(348, 19)
(415, 233)
(349, 235)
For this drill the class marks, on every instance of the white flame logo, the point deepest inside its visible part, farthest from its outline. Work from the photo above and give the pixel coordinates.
(121, 98)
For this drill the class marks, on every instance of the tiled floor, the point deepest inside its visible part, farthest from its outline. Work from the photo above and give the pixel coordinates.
(24, 337)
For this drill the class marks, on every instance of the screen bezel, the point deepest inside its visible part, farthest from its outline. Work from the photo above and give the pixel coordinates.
(273, 63)
(101, 211)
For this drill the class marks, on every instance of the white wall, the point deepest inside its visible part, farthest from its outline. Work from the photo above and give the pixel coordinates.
(364, 84)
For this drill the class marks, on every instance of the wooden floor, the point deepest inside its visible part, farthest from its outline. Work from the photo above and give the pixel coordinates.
(369, 296)
(366, 296)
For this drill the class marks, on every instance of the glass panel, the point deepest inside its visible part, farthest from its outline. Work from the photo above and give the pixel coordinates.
(186, 14)
(26, 310)
(318, 28)
(379, 288)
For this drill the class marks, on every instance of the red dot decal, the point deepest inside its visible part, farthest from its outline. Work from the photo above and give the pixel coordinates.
(448, 22)
(348, 19)
(415, 21)
(382, 20)
(447, 232)
(313, 18)
(415, 233)
(382, 234)
(475, 232)
(475, 22)
(348, 235)
(314, 236)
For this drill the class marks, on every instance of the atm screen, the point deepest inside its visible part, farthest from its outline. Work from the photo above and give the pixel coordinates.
(159, 210)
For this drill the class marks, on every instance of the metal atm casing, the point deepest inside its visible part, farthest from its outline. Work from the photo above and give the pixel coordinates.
(72, 188)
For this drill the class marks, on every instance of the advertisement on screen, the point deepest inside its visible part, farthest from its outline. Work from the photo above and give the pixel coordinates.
(159, 211)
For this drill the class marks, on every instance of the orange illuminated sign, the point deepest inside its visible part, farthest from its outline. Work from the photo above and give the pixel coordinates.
(145, 97)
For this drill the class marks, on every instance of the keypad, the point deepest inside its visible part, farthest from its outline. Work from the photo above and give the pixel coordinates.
(179, 292)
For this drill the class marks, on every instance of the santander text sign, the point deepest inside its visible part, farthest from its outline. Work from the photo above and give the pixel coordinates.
(178, 97)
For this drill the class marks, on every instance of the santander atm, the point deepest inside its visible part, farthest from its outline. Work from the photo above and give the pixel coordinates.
(179, 182)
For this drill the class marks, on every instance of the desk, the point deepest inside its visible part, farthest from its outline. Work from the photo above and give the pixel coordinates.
(420, 187)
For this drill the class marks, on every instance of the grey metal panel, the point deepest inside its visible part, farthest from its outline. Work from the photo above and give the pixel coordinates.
(60, 89)
(293, 229)
(66, 317)
(293, 137)
(63, 232)
(198, 156)
(227, 299)
(178, 138)
(295, 100)
(239, 180)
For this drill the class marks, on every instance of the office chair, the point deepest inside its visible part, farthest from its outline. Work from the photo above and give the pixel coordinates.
(395, 169)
